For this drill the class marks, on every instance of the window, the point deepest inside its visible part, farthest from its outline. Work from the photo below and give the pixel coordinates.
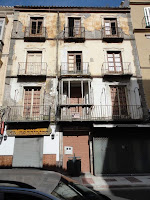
(34, 63)
(110, 27)
(147, 16)
(36, 26)
(1, 27)
(31, 102)
(74, 27)
(119, 101)
(114, 62)
(75, 61)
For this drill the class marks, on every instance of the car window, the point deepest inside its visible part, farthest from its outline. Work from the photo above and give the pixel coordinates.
(21, 196)
(63, 191)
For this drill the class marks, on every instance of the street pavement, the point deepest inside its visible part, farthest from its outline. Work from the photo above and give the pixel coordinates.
(130, 187)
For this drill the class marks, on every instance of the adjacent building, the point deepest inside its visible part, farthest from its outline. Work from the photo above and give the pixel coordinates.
(73, 85)
(140, 14)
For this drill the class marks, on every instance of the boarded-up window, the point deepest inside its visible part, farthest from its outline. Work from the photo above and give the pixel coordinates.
(147, 16)
(36, 25)
(31, 102)
(114, 62)
(119, 101)
(34, 63)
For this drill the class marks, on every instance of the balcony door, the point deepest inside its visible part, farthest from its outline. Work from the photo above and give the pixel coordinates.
(32, 103)
(34, 63)
(110, 27)
(36, 26)
(75, 62)
(119, 101)
(114, 62)
(74, 27)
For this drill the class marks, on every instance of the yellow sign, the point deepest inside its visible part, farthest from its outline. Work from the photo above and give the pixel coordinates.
(25, 132)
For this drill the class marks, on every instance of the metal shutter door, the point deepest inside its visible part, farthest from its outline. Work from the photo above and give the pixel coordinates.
(28, 152)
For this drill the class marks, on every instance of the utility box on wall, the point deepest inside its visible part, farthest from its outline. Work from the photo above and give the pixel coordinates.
(68, 150)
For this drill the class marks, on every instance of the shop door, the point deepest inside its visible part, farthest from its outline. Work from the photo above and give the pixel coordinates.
(28, 152)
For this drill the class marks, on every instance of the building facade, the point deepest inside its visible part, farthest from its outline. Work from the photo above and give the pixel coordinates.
(73, 85)
(140, 14)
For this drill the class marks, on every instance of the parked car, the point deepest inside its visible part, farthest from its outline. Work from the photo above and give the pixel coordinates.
(31, 184)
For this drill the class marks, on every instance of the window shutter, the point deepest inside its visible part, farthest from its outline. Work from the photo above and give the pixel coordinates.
(147, 16)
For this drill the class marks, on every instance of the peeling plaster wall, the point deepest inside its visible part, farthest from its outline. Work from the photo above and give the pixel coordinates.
(5, 53)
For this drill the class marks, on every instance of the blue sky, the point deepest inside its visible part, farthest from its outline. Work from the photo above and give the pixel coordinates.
(83, 3)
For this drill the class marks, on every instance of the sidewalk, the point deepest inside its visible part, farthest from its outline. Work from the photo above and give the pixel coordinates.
(100, 182)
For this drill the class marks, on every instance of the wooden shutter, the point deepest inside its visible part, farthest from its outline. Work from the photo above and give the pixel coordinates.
(107, 28)
(119, 102)
(27, 103)
(31, 103)
(77, 27)
(71, 62)
(147, 16)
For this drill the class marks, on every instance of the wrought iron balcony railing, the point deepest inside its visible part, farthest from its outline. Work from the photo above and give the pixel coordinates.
(32, 68)
(112, 32)
(28, 113)
(111, 68)
(81, 68)
(101, 113)
(74, 32)
(31, 32)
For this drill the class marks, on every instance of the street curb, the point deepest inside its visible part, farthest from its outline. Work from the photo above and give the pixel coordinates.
(115, 186)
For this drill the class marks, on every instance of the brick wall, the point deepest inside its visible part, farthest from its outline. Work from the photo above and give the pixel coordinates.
(79, 142)
(6, 161)
(49, 160)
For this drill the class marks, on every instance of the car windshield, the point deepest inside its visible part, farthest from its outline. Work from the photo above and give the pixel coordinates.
(69, 190)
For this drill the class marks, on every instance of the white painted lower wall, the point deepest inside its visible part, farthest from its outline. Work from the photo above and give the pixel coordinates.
(51, 146)
(7, 146)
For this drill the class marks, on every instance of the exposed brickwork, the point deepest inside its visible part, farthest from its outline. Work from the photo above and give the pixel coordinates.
(49, 160)
(80, 145)
(6, 161)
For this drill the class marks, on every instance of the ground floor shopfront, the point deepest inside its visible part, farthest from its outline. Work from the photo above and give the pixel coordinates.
(121, 150)
(113, 150)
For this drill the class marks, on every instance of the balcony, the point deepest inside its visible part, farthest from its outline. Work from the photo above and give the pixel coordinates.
(32, 69)
(35, 35)
(116, 69)
(28, 114)
(75, 69)
(102, 113)
(112, 34)
(74, 34)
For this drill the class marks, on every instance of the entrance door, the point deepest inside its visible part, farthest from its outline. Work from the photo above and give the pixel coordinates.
(34, 63)
(28, 152)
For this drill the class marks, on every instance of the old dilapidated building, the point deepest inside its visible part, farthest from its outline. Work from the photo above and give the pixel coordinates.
(72, 74)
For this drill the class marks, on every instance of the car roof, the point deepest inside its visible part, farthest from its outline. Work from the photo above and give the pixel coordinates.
(44, 181)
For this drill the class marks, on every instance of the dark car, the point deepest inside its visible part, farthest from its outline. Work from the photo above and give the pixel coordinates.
(31, 184)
